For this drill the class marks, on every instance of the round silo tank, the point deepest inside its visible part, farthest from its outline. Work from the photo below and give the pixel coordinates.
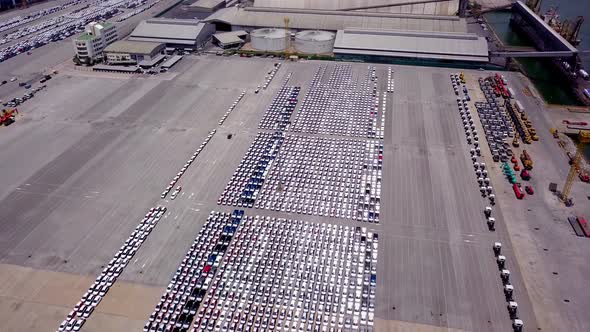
(268, 39)
(314, 42)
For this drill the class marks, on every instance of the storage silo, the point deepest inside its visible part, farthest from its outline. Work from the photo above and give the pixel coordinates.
(268, 39)
(315, 42)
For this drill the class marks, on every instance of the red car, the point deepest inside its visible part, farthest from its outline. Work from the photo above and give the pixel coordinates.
(529, 190)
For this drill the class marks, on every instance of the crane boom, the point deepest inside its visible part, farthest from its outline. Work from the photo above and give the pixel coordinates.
(571, 176)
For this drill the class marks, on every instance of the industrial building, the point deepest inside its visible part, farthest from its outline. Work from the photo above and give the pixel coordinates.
(230, 39)
(207, 5)
(411, 46)
(171, 62)
(176, 33)
(116, 69)
(132, 52)
(314, 42)
(269, 39)
(440, 7)
(89, 46)
(249, 18)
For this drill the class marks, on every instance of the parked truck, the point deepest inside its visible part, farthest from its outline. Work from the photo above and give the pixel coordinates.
(527, 162)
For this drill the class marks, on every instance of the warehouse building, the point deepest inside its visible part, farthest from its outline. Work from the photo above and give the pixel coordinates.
(207, 5)
(89, 46)
(132, 52)
(230, 39)
(175, 33)
(439, 7)
(250, 18)
(413, 47)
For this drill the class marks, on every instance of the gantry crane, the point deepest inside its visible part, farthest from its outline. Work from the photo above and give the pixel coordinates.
(571, 176)
(584, 137)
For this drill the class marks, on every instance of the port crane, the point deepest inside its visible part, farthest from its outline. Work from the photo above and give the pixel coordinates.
(569, 182)
(575, 168)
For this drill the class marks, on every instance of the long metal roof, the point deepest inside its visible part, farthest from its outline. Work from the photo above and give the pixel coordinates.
(151, 62)
(412, 44)
(449, 7)
(162, 30)
(172, 61)
(130, 69)
(207, 4)
(231, 37)
(334, 20)
(135, 47)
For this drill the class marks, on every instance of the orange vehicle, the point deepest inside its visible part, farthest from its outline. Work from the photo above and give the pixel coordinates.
(8, 116)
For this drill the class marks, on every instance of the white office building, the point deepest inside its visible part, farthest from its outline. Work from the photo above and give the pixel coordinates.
(89, 46)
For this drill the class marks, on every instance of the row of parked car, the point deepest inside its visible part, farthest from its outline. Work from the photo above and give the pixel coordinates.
(231, 108)
(278, 113)
(137, 11)
(185, 167)
(178, 306)
(84, 308)
(264, 280)
(472, 138)
(58, 28)
(340, 106)
(327, 177)
(63, 28)
(261, 280)
(309, 175)
(512, 305)
(496, 123)
(381, 129)
(244, 185)
(21, 20)
(28, 95)
(486, 189)
(390, 81)
(270, 75)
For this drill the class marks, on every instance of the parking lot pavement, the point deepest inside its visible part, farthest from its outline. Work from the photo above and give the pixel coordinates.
(436, 191)
(247, 267)
(435, 265)
(538, 224)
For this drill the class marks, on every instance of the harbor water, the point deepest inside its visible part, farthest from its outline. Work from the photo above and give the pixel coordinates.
(538, 70)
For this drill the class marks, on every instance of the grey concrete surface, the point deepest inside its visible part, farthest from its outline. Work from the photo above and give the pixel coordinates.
(92, 154)
(550, 255)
